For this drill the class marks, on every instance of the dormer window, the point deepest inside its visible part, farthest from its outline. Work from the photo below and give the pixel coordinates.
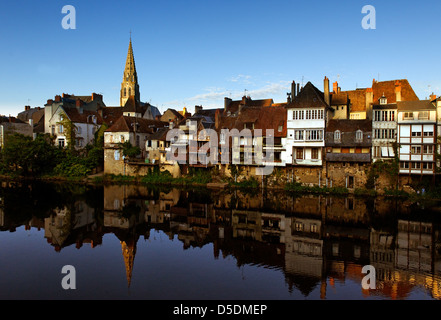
(337, 136)
(359, 135)
(383, 99)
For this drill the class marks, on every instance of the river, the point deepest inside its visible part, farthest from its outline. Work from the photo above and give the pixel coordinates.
(151, 243)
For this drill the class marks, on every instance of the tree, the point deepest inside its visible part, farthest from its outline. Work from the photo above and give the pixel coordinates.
(129, 150)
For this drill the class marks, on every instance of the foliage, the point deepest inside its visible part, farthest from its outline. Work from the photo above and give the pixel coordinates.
(24, 156)
(129, 150)
(69, 131)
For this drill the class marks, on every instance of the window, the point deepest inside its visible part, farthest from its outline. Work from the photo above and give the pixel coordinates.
(116, 155)
(79, 130)
(314, 153)
(314, 135)
(337, 136)
(122, 139)
(299, 153)
(359, 135)
(391, 115)
(298, 135)
(428, 133)
(298, 115)
(384, 115)
(416, 165)
(299, 226)
(279, 129)
(314, 228)
(423, 115)
(415, 150)
(125, 92)
(61, 143)
(404, 165)
(60, 128)
(377, 115)
(408, 116)
(428, 149)
(130, 92)
(222, 138)
(416, 133)
(53, 130)
(428, 165)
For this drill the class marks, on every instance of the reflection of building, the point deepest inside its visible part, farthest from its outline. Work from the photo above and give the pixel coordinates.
(72, 224)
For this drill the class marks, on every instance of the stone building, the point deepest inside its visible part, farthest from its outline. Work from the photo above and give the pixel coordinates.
(348, 152)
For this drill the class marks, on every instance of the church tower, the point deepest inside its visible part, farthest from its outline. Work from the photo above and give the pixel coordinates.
(129, 85)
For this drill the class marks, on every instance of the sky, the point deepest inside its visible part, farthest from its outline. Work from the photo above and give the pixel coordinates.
(196, 52)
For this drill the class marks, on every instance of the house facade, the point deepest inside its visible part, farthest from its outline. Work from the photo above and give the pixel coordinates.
(417, 137)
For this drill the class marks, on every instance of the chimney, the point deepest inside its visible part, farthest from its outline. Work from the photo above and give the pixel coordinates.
(79, 105)
(27, 108)
(57, 98)
(227, 102)
(197, 109)
(216, 119)
(326, 91)
(335, 87)
(96, 96)
(298, 89)
(49, 102)
(433, 97)
(398, 90)
(293, 90)
(369, 102)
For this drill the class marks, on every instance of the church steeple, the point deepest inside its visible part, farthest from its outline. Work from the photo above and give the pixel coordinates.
(129, 85)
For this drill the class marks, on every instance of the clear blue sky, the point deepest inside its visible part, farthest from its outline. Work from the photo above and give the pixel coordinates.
(196, 52)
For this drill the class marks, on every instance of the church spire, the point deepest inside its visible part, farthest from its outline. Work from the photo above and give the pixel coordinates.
(129, 85)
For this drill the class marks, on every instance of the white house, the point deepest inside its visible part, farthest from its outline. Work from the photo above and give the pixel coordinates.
(417, 135)
(306, 123)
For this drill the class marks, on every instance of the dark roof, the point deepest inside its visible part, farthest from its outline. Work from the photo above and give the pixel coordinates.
(9, 119)
(235, 105)
(308, 97)
(82, 117)
(111, 114)
(348, 157)
(415, 105)
(348, 129)
(34, 113)
(127, 124)
(349, 125)
(161, 134)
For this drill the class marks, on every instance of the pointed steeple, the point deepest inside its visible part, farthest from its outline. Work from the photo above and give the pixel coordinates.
(129, 85)
(128, 251)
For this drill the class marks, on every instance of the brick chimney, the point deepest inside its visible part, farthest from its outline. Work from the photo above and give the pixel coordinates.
(398, 90)
(326, 91)
(227, 102)
(96, 96)
(79, 105)
(197, 109)
(293, 90)
(369, 102)
(27, 108)
(335, 87)
(433, 96)
(50, 102)
(57, 98)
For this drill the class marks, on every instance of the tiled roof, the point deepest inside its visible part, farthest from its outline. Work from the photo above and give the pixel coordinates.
(349, 125)
(127, 124)
(83, 117)
(415, 105)
(308, 97)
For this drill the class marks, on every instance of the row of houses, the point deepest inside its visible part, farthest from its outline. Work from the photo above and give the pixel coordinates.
(326, 138)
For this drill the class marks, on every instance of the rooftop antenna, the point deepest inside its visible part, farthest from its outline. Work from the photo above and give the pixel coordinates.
(302, 80)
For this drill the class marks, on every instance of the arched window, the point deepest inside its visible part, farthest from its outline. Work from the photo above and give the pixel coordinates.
(337, 136)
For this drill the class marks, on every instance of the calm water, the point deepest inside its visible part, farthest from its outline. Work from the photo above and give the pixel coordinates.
(129, 242)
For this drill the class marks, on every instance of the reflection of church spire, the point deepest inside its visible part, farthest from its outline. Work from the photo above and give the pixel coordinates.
(128, 251)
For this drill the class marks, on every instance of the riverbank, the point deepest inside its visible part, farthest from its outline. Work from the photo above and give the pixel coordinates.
(206, 181)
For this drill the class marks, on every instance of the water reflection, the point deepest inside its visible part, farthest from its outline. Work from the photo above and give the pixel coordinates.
(319, 243)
